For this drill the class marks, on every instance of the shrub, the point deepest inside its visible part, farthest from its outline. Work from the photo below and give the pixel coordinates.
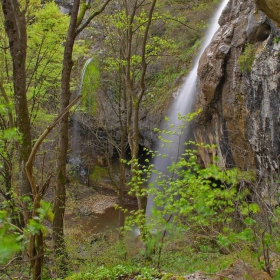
(247, 58)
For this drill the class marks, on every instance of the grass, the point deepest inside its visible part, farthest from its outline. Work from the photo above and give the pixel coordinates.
(113, 260)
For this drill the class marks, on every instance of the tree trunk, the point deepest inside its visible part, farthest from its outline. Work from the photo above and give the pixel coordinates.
(15, 27)
(36, 247)
(122, 184)
(75, 27)
(61, 179)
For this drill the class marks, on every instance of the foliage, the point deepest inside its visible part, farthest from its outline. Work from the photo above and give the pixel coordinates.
(46, 31)
(117, 272)
(9, 239)
(276, 40)
(247, 58)
(14, 239)
(45, 51)
(115, 26)
(90, 84)
(197, 199)
(98, 173)
(208, 202)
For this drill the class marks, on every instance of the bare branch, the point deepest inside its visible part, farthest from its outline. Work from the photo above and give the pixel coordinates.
(143, 54)
(29, 163)
(6, 265)
(181, 22)
(26, 6)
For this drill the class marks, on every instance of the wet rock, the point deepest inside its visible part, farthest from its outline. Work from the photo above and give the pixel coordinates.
(258, 28)
(241, 106)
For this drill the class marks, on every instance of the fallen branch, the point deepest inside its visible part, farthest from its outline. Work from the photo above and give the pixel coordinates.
(6, 265)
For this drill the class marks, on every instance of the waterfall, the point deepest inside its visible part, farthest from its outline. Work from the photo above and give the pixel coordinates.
(182, 105)
(75, 158)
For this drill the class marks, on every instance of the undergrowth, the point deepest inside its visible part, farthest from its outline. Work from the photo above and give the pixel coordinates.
(112, 260)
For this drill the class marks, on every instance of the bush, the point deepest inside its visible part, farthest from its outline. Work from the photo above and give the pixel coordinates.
(117, 272)
(247, 58)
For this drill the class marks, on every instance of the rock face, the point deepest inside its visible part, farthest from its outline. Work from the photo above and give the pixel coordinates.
(271, 8)
(239, 90)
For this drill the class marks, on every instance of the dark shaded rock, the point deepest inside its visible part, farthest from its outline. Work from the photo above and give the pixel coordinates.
(258, 28)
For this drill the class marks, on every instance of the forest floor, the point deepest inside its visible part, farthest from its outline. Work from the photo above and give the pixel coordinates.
(90, 212)
(88, 200)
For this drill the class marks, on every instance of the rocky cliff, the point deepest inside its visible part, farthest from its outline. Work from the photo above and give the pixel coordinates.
(239, 90)
(271, 8)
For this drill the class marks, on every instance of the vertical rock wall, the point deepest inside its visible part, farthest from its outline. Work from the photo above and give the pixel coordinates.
(241, 108)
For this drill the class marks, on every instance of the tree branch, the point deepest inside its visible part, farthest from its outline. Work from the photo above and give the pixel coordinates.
(143, 52)
(93, 15)
(6, 265)
(83, 8)
(6, 98)
(181, 22)
(4, 48)
(29, 163)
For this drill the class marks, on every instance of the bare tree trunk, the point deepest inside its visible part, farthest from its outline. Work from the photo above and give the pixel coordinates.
(136, 98)
(135, 150)
(61, 179)
(122, 182)
(75, 27)
(36, 248)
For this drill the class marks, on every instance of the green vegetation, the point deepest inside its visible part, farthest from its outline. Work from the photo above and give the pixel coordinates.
(117, 272)
(90, 85)
(204, 217)
(276, 40)
(9, 241)
(14, 239)
(213, 223)
(98, 173)
(247, 58)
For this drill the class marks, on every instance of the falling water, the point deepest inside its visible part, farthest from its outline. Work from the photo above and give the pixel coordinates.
(182, 105)
(75, 159)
